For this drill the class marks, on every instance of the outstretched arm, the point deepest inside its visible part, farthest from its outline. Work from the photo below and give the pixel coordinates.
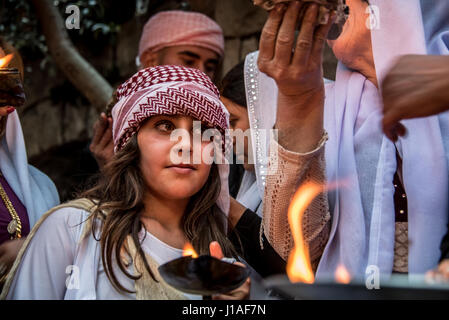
(296, 68)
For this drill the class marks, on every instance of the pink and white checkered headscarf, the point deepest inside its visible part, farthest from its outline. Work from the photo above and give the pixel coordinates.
(170, 90)
(176, 28)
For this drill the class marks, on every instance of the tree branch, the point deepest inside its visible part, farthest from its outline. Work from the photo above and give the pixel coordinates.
(79, 72)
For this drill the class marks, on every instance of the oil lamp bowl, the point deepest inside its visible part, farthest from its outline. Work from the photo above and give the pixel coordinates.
(204, 275)
(397, 288)
(11, 89)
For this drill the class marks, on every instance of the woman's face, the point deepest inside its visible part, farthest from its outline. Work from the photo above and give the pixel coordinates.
(159, 158)
(239, 120)
(355, 39)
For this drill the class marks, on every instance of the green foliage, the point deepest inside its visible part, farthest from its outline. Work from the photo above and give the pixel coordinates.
(100, 22)
(18, 25)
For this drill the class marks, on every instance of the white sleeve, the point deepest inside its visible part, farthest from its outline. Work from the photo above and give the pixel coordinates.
(42, 271)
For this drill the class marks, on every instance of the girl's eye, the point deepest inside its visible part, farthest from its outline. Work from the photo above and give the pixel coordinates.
(165, 126)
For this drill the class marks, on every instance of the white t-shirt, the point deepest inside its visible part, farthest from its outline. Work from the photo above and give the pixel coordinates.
(56, 252)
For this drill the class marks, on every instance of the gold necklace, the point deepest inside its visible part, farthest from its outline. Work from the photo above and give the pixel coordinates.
(15, 226)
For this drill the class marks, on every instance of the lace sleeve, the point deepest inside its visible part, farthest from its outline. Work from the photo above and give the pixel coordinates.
(292, 170)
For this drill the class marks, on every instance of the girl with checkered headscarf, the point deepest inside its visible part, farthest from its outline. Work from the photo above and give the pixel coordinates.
(150, 201)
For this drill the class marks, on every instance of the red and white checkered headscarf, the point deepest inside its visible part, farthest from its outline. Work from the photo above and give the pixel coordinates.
(176, 28)
(170, 90)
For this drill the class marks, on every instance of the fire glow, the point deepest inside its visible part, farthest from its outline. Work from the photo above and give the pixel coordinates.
(299, 268)
(5, 60)
(189, 251)
(342, 275)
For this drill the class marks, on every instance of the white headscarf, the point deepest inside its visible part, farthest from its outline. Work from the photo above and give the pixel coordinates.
(363, 217)
(436, 26)
(248, 194)
(261, 118)
(34, 189)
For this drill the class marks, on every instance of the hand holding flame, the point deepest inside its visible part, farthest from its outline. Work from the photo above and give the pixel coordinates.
(11, 90)
(215, 250)
(241, 292)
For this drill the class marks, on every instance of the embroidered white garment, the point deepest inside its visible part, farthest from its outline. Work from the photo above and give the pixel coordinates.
(260, 91)
(34, 189)
(261, 118)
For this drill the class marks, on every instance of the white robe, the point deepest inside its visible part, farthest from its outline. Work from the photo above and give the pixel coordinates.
(359, 155)
(56, 252)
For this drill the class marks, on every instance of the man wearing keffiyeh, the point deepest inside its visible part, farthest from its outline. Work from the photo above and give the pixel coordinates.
(183, 38)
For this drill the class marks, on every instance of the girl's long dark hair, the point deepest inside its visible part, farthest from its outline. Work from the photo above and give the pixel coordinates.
(119, 194)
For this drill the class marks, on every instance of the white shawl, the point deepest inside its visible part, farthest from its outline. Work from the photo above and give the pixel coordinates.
(34, 189)
(363, 219)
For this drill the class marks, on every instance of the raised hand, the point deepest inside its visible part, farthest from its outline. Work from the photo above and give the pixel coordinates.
(297, 69)
(102, 145)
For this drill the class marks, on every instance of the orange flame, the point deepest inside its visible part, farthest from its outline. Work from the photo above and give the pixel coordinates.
(342, 275)
(5, 60)
(189, 251)
(299, 268)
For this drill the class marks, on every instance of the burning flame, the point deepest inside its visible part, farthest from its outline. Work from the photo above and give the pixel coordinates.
(189, 251)
(299, 268)
(342, 275)
(5, 60)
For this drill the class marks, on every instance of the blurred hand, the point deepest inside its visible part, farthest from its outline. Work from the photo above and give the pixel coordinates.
(102, 145)
(417, 86)
(8, 253)
(440, 274)
(241, 292)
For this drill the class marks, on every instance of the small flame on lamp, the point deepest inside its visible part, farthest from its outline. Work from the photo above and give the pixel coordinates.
(5, 60)
(189, 251)
(299, 268)
(342, 275)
